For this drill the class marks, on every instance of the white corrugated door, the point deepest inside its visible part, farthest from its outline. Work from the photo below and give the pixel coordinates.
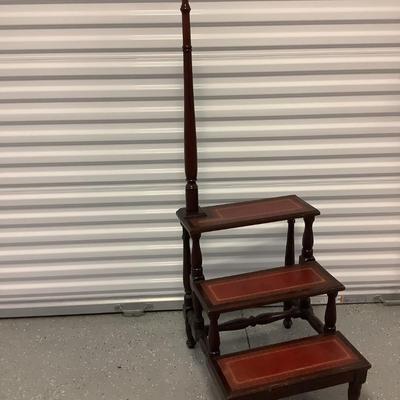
(292, 97)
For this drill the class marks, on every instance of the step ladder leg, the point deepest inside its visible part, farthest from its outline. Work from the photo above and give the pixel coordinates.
(308, 240)
(289, 260)
(198, 318)
(305, 304)
(307, 253)
(355, 387)
(330, 313)
(197, 275)
(188, 301)
(213, 335)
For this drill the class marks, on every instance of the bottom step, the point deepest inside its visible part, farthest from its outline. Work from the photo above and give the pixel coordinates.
(285, 369)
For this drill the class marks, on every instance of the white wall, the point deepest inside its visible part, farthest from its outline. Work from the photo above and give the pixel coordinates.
(292, 97)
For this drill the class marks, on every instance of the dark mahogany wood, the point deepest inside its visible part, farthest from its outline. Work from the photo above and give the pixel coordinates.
(355, 387)
(197, 276)
(246, 213)
(190, 139)
(330, 314)
(281, 370)
(312, 319)
(308, 240)
(261, 319)
(290, 250)
(213, 335)
(275, 371)
(307, 253)
(305, 304)
(186, 268)
(264, 287)
(197, 260)
(188, 301)
(289, 260)
(198, 320)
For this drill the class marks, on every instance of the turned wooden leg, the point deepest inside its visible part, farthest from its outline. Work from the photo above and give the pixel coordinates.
(305, 305)
(198, 318)
(356, 384)
(308, 240)
(188, 301)
(197, 275)
(289, 260)
(330, 313)
(190, 340)
(213, 335)
(307, 253)
(355, 390)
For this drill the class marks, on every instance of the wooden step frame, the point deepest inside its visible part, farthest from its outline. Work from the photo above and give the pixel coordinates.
(192, 230)
(300, 308)
(246, 213)
(328, 285)
(265, 287)
(192, 256)
(351, 369)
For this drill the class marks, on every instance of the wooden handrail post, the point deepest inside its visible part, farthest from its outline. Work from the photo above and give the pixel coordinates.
(190, 145)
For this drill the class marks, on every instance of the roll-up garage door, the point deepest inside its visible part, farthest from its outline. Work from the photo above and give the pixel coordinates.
(292, 96)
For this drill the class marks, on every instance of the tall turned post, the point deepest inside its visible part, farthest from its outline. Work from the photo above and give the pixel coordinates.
(289, 260)
(213, 335)
(190, 140)
(330, 313)
(307, 254)
(197, 275)
(188, 302)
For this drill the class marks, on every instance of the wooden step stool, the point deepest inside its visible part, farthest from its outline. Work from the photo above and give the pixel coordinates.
(269, 372)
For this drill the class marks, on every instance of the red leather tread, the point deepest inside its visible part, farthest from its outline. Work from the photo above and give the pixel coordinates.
(233, 215)
(255, 285)
(267, 286)
(297, 359)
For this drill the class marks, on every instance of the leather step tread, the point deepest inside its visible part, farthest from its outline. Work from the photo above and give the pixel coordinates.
(273, 369)
(265, 287)
(225, 216)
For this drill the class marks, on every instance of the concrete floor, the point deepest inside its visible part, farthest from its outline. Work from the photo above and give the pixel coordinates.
(117, 358)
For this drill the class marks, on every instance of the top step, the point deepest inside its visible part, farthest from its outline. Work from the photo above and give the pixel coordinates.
(234, 215)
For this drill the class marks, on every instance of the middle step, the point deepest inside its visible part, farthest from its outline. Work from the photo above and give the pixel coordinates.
(265, 287)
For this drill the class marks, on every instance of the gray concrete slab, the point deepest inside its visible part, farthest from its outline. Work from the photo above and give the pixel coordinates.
(117, 358)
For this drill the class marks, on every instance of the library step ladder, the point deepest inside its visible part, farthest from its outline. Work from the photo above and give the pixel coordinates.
(269, 372)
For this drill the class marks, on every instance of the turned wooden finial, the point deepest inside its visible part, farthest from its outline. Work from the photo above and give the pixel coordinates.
(185, 7)
(190, 139)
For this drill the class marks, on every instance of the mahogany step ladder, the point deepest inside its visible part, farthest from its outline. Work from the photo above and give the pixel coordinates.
(270, 372)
